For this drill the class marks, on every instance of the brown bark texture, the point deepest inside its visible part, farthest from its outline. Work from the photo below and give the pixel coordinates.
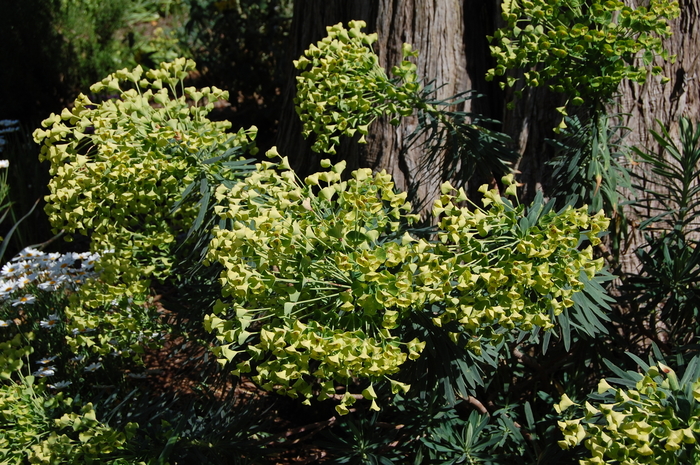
(652, 101)
(652, 105)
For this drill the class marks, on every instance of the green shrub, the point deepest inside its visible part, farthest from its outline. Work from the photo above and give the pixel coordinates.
(667, 289)
(320, 279)
(584, 48)
(52, 430)
(100, 37)
(653, 418)
(120, 165)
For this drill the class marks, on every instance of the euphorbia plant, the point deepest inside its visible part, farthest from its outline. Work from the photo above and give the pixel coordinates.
(120, 163)
(652, 418)
(584, 48)
(319, 275)
(342, 89)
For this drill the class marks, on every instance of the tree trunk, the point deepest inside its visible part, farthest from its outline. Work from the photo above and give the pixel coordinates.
(652, 101)
(530, 124)
(651, 105)
(434, 28)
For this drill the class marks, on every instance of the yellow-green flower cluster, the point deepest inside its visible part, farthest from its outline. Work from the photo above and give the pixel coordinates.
(584, 48)
(320, 275)
(345, 88)
(118, 166)
(510, 266)
(310, 350)
(656, 422)
(49, 430)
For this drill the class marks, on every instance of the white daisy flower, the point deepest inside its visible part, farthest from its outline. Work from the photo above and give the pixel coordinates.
(25, 299)
(61, 277)
(23, 281)
(43, 372)
(81, 255)
(25, 265)
(90, 261)
(29, 253)
(8, 287)
(4, 164)
(9, 269)
(46, 360)
(78, 358)
(5, 323)
(48, 285)
(50, 322)
(59, 385)
(93, 367)
(82, 330)
(63, 264)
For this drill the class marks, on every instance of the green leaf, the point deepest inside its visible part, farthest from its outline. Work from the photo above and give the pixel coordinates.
(288, 307)
(356, 237)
